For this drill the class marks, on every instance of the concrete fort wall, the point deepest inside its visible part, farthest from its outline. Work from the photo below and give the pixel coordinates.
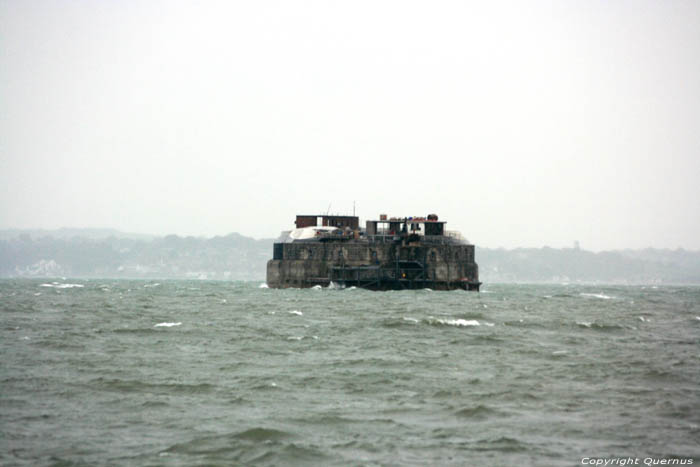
(304, 264)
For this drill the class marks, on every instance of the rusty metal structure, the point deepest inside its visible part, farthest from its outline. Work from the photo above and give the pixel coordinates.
(388, 254)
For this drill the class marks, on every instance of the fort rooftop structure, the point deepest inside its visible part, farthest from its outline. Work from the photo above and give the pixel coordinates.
(388, 254)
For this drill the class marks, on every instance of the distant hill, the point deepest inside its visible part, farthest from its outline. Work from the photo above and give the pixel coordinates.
(574, 265)
(116, 255)
(65, 233)
(106, 253)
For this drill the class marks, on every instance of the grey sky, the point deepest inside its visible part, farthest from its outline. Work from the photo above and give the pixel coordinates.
(520, 123)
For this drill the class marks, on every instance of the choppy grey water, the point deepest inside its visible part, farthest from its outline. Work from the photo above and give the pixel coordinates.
(223, 373)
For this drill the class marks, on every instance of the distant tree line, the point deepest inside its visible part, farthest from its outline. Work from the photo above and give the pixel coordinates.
(571, 264)
(231, 257)
(236, 257)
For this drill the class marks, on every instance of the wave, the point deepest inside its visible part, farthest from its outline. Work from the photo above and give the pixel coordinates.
(399, 322)
(596, 295)
(479, 412)
(453, 322)
(133, 330)
(598, 326)
(486, 339)
(263, 434)
(431, 320)
(167, 325)
(265, 446)
(472, 315)
(163, 389)
(222, 443)
(58, 285)
(502, 444)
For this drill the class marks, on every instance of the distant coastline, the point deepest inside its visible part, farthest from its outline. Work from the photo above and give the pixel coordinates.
(108, 253)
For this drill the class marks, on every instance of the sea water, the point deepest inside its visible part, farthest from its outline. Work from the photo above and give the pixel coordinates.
(114, 372)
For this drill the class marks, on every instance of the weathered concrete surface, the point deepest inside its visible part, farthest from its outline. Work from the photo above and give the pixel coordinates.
(305, 264)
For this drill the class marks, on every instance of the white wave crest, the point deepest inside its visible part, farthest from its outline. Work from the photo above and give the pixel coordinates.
(410, 320)
(596, 295)
(263, 286)
(316, 287)
(295, 312)
(167, 325)
(457, 322)
(62, 286)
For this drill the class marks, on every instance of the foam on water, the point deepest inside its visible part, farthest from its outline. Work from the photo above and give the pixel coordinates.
(295, 312)
(596, 295)
(455, 322)
(58, 285)
(263, 286)
(167, 325)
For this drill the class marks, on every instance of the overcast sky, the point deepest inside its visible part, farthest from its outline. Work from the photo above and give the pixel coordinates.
(519, 123)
